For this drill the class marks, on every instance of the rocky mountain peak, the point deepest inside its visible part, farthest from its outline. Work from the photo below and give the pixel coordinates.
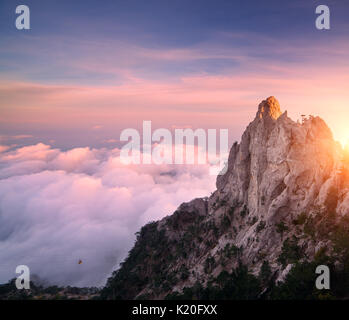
(269, 108)
(285, 189)
(278, 160)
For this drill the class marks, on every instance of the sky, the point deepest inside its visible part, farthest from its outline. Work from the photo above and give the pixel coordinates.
(86, 70)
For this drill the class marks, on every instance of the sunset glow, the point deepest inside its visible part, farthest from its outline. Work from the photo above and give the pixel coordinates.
(196, 132)
(70, 84)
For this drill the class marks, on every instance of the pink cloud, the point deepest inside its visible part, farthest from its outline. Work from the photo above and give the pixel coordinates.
(4, 148)
(201, 98)
(226, 100)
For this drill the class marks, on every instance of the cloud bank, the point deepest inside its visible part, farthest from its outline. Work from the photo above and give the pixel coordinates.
(58, 207)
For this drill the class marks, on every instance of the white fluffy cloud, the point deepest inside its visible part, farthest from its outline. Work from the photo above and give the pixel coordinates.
(58, 207)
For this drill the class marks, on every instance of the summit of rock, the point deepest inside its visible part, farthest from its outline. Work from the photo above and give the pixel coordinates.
(269, 108)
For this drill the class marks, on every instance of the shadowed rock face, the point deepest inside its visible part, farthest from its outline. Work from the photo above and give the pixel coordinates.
(280, 170)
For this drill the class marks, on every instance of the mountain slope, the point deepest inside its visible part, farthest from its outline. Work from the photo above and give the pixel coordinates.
(281, 206)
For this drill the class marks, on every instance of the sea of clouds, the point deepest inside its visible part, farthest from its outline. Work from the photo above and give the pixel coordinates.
(57, 207)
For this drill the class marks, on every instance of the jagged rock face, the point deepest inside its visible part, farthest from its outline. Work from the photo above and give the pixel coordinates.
(280, 170)
(280, 166)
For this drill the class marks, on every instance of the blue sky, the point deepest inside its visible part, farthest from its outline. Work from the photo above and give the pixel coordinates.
(246, 25)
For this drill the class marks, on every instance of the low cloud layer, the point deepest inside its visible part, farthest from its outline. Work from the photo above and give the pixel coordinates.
(58, 207)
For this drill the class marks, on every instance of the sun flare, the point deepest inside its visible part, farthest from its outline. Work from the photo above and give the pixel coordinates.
(344, 143)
